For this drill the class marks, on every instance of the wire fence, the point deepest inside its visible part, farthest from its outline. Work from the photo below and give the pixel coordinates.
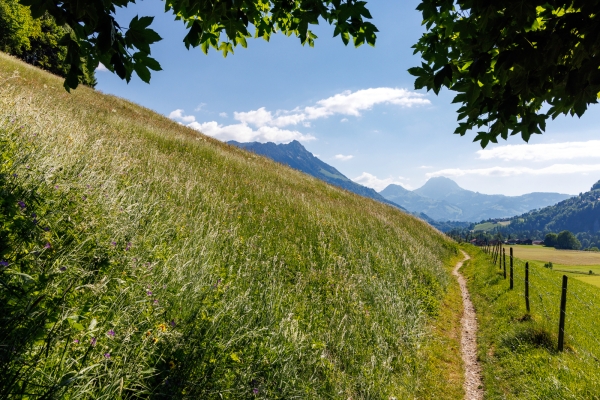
(563, 304)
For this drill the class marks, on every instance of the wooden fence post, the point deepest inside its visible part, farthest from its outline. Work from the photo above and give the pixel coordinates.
(563, 311)
(504, 261)
(511, 268)
(527, 286)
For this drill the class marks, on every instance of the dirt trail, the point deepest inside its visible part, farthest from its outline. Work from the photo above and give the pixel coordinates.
(468, 340)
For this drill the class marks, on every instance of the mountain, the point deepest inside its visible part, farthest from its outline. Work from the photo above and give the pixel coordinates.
(442, 199)
(296, 156)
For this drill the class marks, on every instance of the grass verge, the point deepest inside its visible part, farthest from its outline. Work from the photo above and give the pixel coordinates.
(518, 349)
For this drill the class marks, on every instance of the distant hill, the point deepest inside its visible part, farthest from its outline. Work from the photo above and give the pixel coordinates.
(442, 199)
(296, 156)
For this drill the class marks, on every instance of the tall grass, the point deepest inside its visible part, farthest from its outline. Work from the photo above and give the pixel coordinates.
(141, 259)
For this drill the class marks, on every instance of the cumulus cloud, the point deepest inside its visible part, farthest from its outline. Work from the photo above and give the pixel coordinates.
(342, 157)
(374, 182)
(244, 133)
(265, 125)
(178, 115)
(555, 169)
(101, 68)
(543, 152)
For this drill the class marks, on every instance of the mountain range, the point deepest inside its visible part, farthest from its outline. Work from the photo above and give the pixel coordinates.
(438, 202)
(296, 156)
(443, 200)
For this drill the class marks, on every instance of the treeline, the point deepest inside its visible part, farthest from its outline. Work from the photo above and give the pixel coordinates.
(36, 41)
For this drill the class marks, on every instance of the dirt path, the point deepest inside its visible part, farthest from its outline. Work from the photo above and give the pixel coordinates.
(468, 341)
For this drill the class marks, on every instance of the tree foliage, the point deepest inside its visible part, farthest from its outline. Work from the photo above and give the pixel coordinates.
(566, 240)
(95, 36)
(36, 40)
(550, 239)
(513, 63)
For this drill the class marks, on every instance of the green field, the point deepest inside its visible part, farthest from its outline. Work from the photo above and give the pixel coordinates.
(518, 349)
(577, 263)
(488, 226)
(141, 259)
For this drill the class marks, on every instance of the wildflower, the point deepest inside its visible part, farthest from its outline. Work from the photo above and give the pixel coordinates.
(155, 340)
(33, 215)
(148, 333)
(128, 247)
(255, 391)
(63, 269)
(113, 243)
(111, 333)
(162, 327)
(149, 293)
(93, 341)
(173, 323)
(47, 246)
(76, 341)
(155, 302)
(46, 229)
(4, 263)
(171, 365)
(106, 355)
(22, 204)
(15, 175)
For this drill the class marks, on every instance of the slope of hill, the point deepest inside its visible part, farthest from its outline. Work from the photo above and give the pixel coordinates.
(579, 214)
(140, 259)
(442, 199)
(296, 156)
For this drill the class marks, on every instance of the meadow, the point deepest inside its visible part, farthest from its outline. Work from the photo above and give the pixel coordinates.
(488, 226)
(141, 259)
(581, 265)
(518, 349)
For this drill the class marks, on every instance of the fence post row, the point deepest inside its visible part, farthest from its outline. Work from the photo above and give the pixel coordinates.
(511, 268)
(563, 312)
(527, 286)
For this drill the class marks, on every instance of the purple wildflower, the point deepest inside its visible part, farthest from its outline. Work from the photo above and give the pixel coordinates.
(93, 341)
(149, 293)
(173, 323)
(106, 355)
(22, 204)
(47, 246)
(4, 263)
(63, 269)
(56, 187)
(46, 229)
(155, 302)
(33, 215)
(128, 247)
(15, 175)
(111, 333)
(76, 341)
(255, 391)
(113, 243)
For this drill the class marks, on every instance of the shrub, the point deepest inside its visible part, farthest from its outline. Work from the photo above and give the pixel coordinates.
(550, 239)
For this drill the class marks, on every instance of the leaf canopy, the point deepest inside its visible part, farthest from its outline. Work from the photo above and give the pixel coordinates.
(513, 63)
(95, 36)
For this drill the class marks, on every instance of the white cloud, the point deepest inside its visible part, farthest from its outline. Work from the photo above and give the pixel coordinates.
(178, 115)
(543, 152)
(425, 167)
(555, 169)
(344, 120)
(244, 133)
(223, 114)
(374, 182)
(199, 107)
(352, 103)
(101, 68)
(342, 157)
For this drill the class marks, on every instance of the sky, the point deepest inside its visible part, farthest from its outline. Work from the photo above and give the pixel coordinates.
(354, 108)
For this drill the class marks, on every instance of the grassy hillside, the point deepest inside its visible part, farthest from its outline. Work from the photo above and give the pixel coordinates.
(518, 350)
(140, 259)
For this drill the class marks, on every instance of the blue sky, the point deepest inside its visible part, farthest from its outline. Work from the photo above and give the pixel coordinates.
(354, 108)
